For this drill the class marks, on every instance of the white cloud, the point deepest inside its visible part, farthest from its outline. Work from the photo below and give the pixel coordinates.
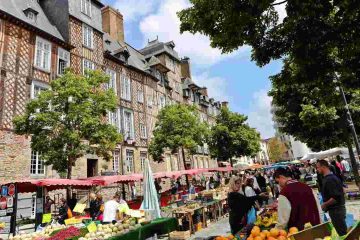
(166, 25)
(281, 11)
(134, 9)
(216, 86)
(260, 116)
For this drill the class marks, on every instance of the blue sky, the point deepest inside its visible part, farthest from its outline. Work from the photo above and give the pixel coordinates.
(234, 77)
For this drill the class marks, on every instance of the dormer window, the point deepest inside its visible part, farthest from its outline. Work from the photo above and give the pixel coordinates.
(31, 14)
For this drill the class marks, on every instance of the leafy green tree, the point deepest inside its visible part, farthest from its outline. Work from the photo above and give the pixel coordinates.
(276, 150)
(69, 120)
(178, 128)
(318, 39)
(232, 137)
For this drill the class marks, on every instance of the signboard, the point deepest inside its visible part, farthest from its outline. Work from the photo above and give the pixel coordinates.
(3, 202)
(11, 190)
(79, 208)
(4, 190)
(5, 224)
(2, 213)
(10, 202)
(9, 210)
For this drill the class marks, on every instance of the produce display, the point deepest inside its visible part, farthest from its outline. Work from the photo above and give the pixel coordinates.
(267, 219)
(65, 234)
(230, 237)
(112, 230)
(44, 234)
(272, 234)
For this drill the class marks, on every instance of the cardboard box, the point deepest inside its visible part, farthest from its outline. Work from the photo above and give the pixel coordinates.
(318, 231)
(354, 233)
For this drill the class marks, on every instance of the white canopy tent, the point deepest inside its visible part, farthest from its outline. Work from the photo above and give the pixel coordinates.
(343, 152)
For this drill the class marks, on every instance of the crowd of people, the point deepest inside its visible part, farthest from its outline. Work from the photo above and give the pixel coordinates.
(298, 203)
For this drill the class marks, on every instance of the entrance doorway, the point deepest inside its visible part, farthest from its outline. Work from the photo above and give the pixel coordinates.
(92, 167)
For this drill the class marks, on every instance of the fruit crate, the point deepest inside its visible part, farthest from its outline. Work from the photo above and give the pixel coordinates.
(180, 235)
(318, 231)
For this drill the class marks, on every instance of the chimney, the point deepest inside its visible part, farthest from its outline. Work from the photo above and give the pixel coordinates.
(185, 68)
(225, 104)
(113, 23)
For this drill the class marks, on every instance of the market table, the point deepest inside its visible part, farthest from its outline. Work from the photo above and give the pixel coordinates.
(159, 226)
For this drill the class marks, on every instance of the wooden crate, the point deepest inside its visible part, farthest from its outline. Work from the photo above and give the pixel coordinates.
(180, 235)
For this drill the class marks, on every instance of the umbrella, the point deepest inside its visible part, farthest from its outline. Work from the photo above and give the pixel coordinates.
(150, 202)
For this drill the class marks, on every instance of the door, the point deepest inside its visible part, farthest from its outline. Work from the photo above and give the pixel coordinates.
(92, 167)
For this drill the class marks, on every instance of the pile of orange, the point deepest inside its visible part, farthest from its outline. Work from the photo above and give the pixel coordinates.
(230, 237)
(273, 234)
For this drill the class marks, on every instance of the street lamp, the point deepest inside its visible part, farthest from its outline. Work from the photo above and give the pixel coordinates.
(348, 115)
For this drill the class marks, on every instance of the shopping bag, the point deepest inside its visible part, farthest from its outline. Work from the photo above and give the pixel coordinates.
(251, 216)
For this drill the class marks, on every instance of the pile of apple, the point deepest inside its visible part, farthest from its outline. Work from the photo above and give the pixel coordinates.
(273, 234)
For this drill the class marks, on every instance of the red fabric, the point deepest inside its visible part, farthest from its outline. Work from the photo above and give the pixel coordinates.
(339, 165)
(303, 204)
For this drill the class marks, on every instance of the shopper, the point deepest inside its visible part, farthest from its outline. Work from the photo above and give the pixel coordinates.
(93, 206)
(72, 202)
(111, 209)
(333, 197)
(336, 170)
(64, 211)
(239, 205)
(48, 203)
(192, 189)
(297, 203)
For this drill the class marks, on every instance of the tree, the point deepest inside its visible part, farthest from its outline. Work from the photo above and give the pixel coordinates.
(276, 149)
(69, 120)
(318, 40)
(232, 137)
(178, 128)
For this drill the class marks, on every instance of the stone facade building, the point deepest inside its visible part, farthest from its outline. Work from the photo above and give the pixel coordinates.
(39, 39)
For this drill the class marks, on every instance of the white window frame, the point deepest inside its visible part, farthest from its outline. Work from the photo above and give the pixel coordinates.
(44, 61)
(114, 119)
(129, 161)
(150, 101)
(31, 16)
(35, 84)
(37, 164)
(143, 131)
(143, 157)
(64, 56)
(86, 7)
(88, 36)
(87, 64)
(116, 160)
(125, 87)
(131, 134)
(112, 80)
(140, 96)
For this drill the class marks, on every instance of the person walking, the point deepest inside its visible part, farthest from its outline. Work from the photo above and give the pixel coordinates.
(297, 202)
(333, 197)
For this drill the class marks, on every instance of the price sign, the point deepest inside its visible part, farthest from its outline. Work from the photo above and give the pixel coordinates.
(92, 227)
(11, 189)
(4, 190)
(79, 208)
(46, 218)
(3, 203)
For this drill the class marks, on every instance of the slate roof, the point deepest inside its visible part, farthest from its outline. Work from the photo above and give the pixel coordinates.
(16, 9)
(136, 59)
(155, 48)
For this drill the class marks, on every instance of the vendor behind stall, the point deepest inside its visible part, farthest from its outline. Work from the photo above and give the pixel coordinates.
(297, 202)
(64, 211)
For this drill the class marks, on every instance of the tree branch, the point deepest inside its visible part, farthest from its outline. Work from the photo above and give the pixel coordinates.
(278, 3)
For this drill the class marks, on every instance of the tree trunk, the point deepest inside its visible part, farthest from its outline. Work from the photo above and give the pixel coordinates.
(354, 165)
(69, 173)
(184, 161)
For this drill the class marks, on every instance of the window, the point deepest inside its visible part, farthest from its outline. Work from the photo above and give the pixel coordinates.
(114, 119)
(37, 88)
(112, 81)
(86, 7)
(162, 102)
(177, 87)
(143, 157)
(37, 166)
(88, 65)
(140, 96)
(125, 87)
(171, 64)
(31, 16)
(42, 54)
(157, 74)
(63, 60)
(116, 160)
(143, 133)
(128, 124)
(149, 100)
(87, 36)
(129, 161)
